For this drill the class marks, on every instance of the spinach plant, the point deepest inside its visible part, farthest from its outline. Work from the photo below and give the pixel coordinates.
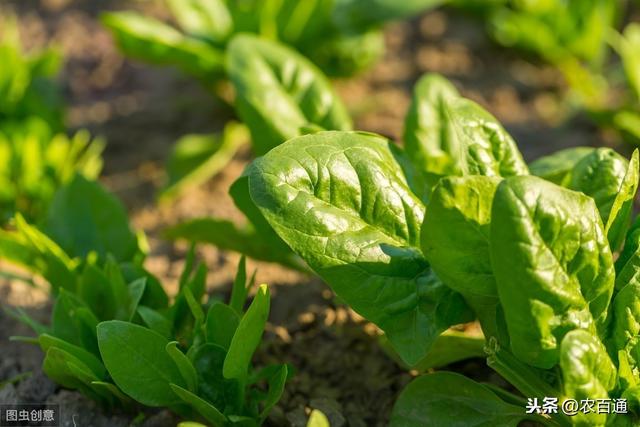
(342, 36)
(457, 226)
(36, 157)
(117, 340)
(280, 95)
(82, 221)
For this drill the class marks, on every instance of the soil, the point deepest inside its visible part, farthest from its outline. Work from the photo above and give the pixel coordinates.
(141, 110)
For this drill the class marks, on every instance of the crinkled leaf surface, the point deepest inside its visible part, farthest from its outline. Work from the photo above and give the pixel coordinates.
(340, 201)
(558, 167)
(279, 91)
(552, 263)
(455, 233)
(587, 372)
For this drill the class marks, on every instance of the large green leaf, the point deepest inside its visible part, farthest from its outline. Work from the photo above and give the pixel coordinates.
(341, 202)
(552, 263)
(279, 92)
(558, 167)
(444, 399)
(612, 182)
(455, 233)
(158, 43)
(449, 135)
(138, 363)
(625, 324)
(587, 373)
(84, 218)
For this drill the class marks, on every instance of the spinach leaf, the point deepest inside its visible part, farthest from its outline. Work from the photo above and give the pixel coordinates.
(85, 218)
(289, 94)
(456, 231)
(552, 264)
(247, 337)
(341, 202)
(612, 182)
(447, 398)
(446, 134)
(625, 324)
(558, 167)
(138, 363)
(158, 43)
(587, 372)
(427, 128)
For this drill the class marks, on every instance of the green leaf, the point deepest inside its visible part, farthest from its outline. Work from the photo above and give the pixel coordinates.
(426, 126)
(94, 288)
(154, 295)
(207, 19)
(558, 167)
(559, 275)
(47, 341)
(84, 217)
(622, 206)
(290, 93)
(155, 321)
(222, 322)
(208, 359)
(449, 135)
(455, 234)
(197, 158)
(74, 322)
(33, 250)
(612, 182)
(155, 42)
(625, 324)
(247, 337)
(138, 363)
(342, 203)
(240, 290)
(204, 408)
(226, 235)
(450, 347)
(447, 398)
(184, 365)
(587, 373)
(276, 388)
(58, 366)
(136, 291)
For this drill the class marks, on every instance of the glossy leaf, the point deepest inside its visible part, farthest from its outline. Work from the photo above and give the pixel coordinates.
(138, 363)
(587, 373)
(290, 93)
(612, 182)
(426, 127)
(558, 167)
(625, 324)
(247, 337)
(456, 232)
(560, 271)
(341, 202)
(446, 399)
